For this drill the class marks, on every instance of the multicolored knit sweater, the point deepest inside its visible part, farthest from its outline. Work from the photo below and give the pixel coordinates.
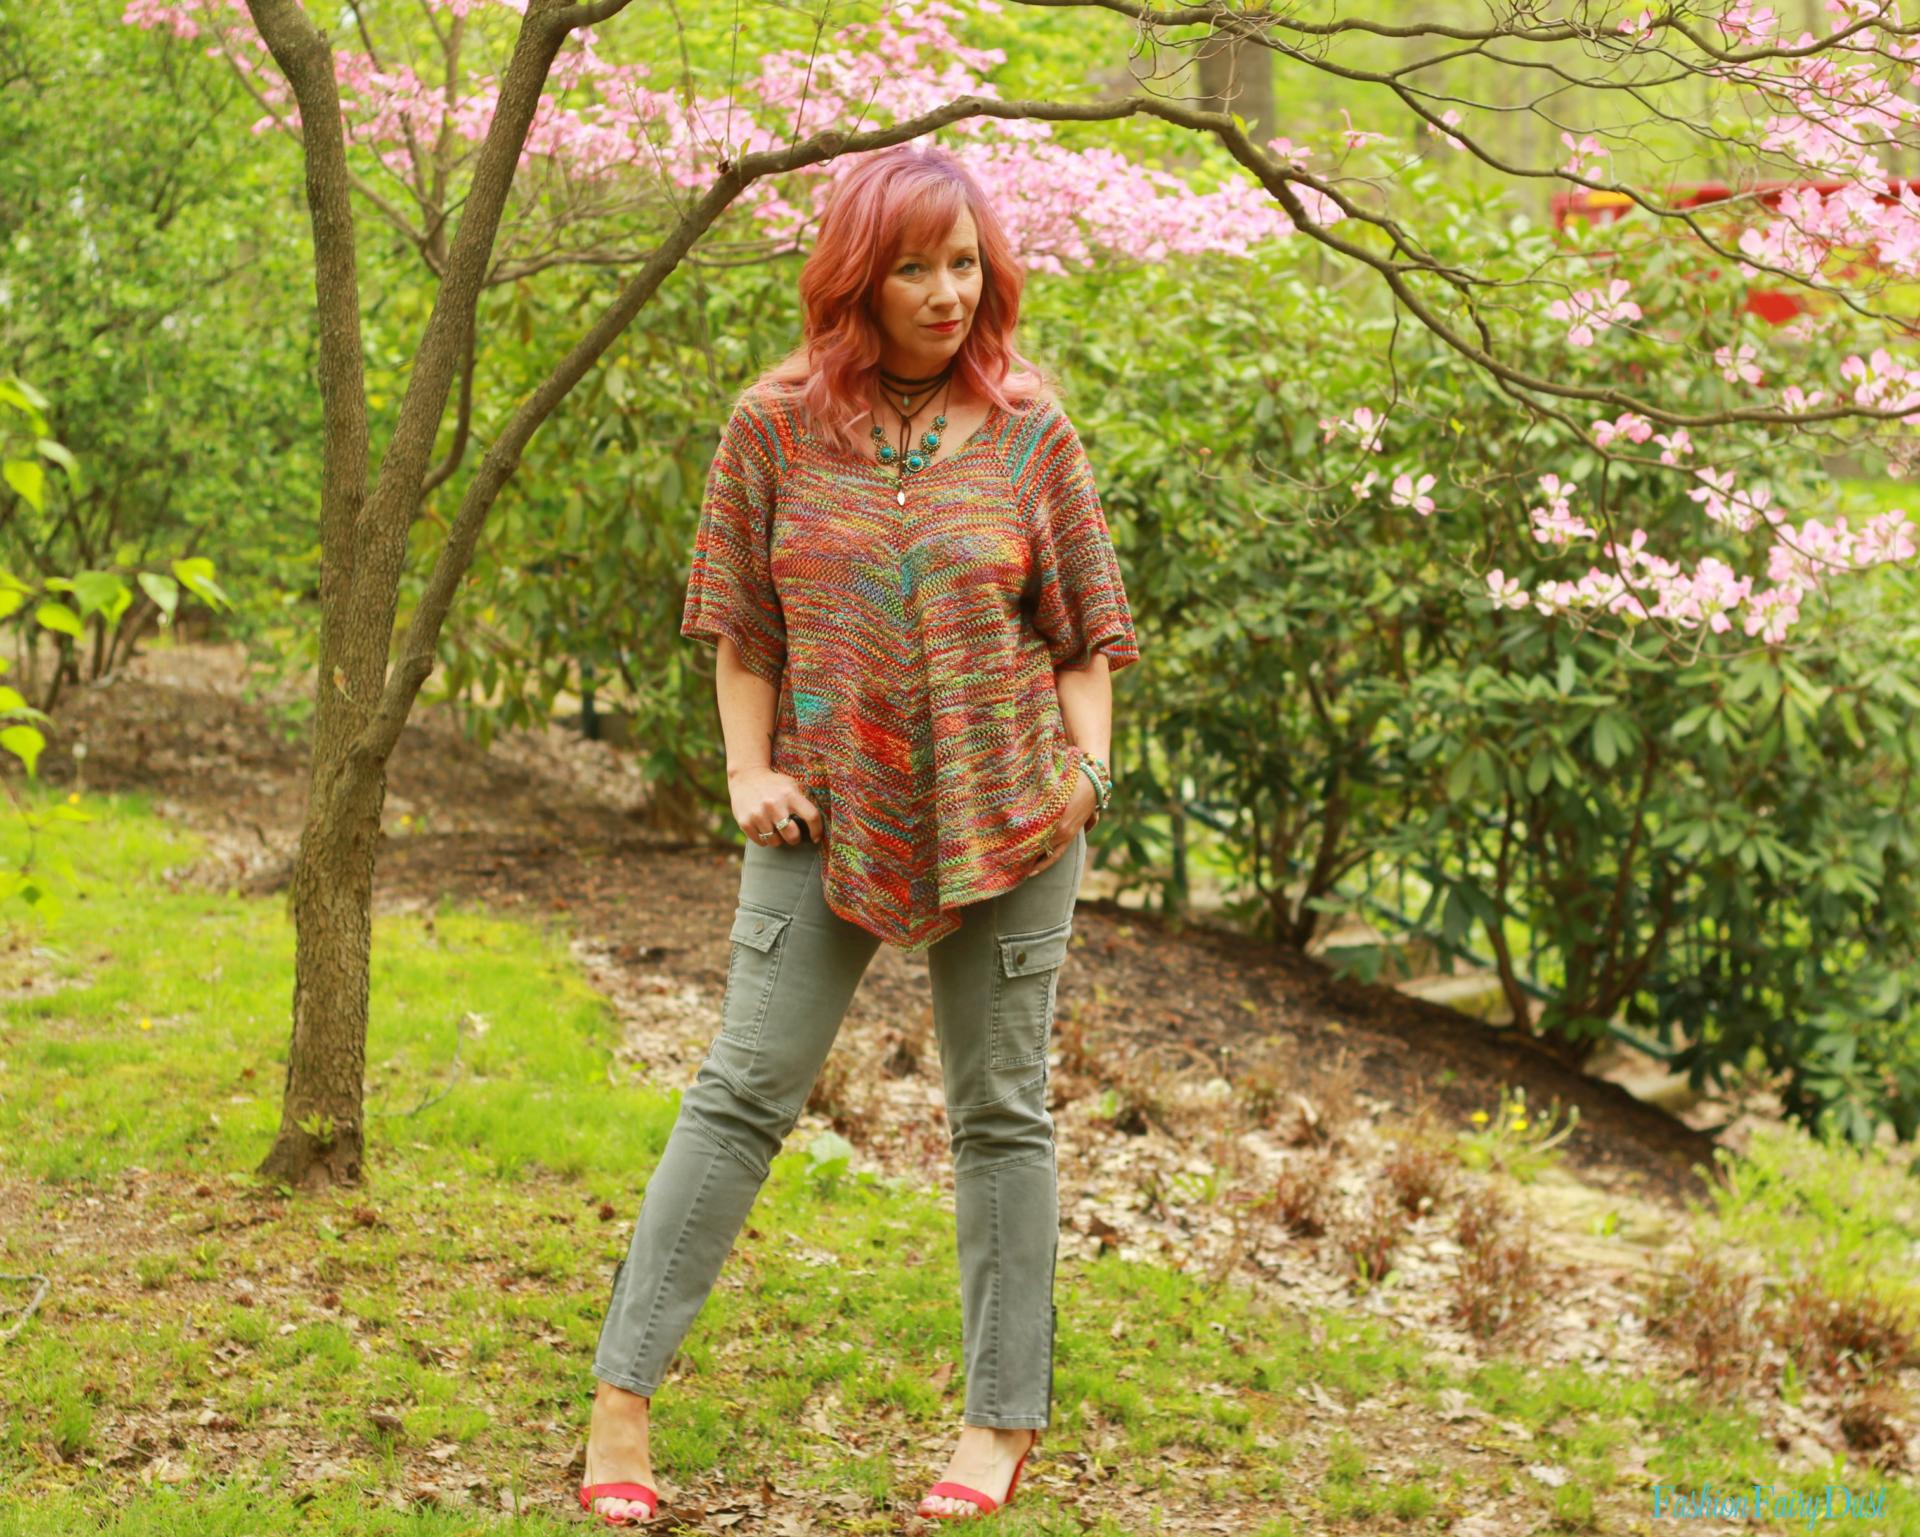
(913, 647)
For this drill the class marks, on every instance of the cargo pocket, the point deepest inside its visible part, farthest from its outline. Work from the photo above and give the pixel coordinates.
(759, 940)
(1024, 984)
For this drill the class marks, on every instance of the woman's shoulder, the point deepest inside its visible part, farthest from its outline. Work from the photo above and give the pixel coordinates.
(766, 399)
(764, 415)
(1039, 420)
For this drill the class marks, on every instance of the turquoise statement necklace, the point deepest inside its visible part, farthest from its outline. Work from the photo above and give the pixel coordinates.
(909, 461)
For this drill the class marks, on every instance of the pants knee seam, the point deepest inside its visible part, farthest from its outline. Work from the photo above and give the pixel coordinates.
(1014, 1093)
(714, 1137)
(741, 1087)
(1006, 1164)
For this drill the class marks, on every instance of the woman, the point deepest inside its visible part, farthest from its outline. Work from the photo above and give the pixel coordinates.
(906, 573)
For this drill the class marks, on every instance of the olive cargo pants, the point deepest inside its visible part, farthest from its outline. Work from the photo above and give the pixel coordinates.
(793, 969)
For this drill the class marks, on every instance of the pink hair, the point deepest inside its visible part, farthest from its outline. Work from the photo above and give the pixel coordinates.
(887, 201)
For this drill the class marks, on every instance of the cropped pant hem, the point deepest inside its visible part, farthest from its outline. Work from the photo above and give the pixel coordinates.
(624, 1380)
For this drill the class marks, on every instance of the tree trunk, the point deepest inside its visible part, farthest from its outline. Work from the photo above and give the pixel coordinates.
(322, 1136)
(1237, 76)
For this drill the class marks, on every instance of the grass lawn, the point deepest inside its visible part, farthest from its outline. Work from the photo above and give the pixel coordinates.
(217, 1357)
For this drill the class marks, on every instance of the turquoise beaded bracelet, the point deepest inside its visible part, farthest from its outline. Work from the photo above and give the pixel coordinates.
(1102, 777)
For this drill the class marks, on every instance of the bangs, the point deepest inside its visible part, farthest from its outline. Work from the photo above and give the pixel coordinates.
(925, 214)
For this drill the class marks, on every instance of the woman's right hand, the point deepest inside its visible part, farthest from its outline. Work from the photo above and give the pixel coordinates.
(762, 797)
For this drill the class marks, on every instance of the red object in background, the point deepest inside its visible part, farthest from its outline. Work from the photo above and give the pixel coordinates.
(1769, 304)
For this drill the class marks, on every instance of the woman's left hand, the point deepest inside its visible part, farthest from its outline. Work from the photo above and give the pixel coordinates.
(1071, 821)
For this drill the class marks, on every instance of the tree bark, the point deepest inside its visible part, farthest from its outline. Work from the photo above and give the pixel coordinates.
(1236, 77)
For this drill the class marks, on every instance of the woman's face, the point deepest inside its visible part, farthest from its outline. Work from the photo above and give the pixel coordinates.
(923, 289)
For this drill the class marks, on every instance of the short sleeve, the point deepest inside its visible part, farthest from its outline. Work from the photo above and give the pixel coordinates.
(1079, 604)
(730, 590)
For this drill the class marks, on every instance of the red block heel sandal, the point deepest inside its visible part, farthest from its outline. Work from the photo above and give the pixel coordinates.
(987, 1504)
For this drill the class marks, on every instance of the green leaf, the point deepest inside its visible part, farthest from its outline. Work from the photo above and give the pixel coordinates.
(164, 591)
(1605, 752)
(828, 1146)
(26, 477)
(57, 616)
(103, 593)
(22, 394)
(60, 455)
(1539, 771)
(1849, 721)
(1460, 776)
(196, 575)
(25, 744)
(1692, 721)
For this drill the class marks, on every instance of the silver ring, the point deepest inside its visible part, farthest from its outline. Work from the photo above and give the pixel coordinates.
(783, 821)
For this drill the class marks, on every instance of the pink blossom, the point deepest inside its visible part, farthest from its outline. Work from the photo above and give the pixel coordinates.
(1406, 493)
(1628, 424)
(1556, 523)
(1713, 594)
(1772, 612)
(1887, 537)
(1735, 367)
(1452, 119)
(1738, 510)
(1883, 382)
(1356, 138)
(1673, 445)
(1064, 208)
(1504, 590)
(1585, 150)
(1365, 427)
(1746, 27)
(1591, 310)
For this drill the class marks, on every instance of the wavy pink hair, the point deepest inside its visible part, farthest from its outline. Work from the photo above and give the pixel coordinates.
(890, 199)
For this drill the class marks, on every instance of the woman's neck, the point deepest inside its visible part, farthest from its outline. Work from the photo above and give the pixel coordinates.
(943, 399)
